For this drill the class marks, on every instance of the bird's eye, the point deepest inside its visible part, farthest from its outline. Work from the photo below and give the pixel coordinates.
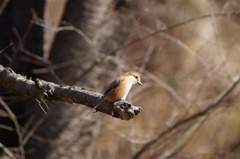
(135, 76)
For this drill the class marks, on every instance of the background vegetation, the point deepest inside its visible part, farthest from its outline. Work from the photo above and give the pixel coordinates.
(186, 51)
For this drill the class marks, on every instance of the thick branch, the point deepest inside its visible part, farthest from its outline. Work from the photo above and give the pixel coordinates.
(43, 90)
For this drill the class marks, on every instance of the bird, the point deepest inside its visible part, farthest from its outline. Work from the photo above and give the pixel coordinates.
(119, 88)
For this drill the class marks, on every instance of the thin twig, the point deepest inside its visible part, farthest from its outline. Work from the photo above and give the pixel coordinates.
(17, 127)
(7, 151)
(180, 24)
(55, 66)
(146, 59)
(6, 47)
(5, 127)
(32, 131)
(185, 47)
(38, 21)
(185, 137)
(40, 105)
(125, 137)
(21, 48)
(167, 87)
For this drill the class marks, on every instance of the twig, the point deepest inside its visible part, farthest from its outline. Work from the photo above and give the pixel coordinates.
(180, 24)
(38, 21)
(7, 151)
(54, 66)
(40, 105)
(168, 88)
(17, 127)
(183, 139)
(6, 47)
(149, 53)
(5, 127)
(21, 48)
(213, 105)
(3, 6)
(31, 132)
(185, 47)
(125, 137)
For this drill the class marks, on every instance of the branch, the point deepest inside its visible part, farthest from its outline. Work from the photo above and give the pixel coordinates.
(184, 138)
(7, 151)
(164, 29)
(43, 90)
(17, 127)
(212, 106)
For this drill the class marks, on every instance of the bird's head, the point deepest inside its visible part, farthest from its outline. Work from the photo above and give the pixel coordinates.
(134, 77)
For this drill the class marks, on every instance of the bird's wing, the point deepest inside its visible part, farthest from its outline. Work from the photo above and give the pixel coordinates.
(113, 85)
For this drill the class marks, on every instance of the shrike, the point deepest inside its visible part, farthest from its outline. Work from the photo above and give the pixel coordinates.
(119, 88)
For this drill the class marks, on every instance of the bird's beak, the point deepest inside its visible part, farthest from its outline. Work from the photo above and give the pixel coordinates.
(139, 82)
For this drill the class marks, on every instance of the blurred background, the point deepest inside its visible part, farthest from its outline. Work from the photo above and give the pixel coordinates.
(186, 51)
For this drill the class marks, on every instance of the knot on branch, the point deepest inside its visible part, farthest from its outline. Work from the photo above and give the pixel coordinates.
(44, 90)
(124, 110)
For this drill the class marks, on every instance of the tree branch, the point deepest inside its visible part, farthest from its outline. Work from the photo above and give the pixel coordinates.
(43, 90)
(167, 28)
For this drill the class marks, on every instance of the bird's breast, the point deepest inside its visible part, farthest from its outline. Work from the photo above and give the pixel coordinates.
(119, 92)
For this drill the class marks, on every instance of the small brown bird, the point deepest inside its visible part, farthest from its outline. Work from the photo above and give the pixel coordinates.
(120, 88)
